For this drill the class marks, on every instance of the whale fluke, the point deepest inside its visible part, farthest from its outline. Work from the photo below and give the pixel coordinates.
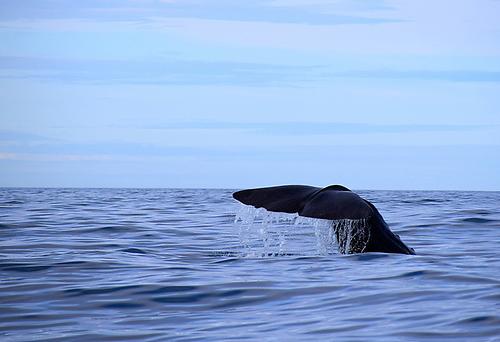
(287, 198)
(358, 225)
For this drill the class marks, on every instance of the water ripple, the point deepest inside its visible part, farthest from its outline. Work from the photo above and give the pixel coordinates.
(170, 264)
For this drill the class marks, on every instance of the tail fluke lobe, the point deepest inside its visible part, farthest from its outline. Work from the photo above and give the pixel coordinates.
(285, 198)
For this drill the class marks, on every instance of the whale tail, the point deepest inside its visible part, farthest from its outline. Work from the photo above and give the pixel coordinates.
(352, 215)
(334, 202)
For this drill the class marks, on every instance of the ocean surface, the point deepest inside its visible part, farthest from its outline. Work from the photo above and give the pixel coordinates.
(173, 265)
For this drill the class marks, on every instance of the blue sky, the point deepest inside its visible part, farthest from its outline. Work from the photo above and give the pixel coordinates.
(219, 93)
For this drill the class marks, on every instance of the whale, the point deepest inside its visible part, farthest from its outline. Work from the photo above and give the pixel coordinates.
(357, 224)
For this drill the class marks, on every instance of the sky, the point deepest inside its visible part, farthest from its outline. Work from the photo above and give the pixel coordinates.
(370, 94)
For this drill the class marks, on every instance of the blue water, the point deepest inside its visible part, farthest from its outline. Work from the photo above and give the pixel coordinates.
(160, 264)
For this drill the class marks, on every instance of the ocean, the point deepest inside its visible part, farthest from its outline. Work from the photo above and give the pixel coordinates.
(195, 265)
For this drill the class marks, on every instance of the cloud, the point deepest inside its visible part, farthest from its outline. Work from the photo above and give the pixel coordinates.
(317, 13)
(343, 26)
(316, 128)
(7, 156)
(427, 75)
(341, 6)
(184, 139)
(340, 27)
(41, 157)
(185, 72)
(13, 139)
(168, 71)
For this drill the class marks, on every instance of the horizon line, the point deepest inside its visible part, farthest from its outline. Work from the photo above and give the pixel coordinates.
(215, 188)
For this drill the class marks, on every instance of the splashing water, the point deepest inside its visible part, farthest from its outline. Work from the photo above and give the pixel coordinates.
(265, 233)
(352, 235)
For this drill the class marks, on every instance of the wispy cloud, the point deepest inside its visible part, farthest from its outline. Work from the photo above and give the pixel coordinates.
(316, 13)
(183, 72)
(7, 156)
(227, 138)
(42, 157)
(316, 128)
(14, 140)
(432, 75)
(168, 71)
(348, 27)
